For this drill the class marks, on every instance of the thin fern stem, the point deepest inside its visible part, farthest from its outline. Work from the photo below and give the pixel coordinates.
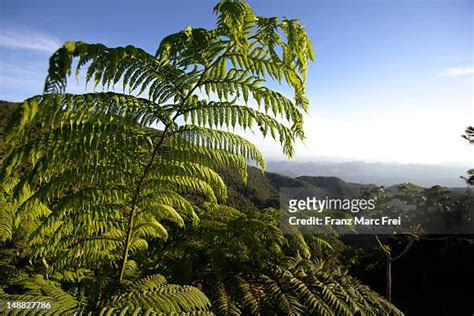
(138, 189)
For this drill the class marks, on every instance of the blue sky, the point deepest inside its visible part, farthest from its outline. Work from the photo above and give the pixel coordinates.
(392, 81)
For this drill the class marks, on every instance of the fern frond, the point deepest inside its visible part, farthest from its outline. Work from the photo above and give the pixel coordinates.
(155, 294)
(38, 289)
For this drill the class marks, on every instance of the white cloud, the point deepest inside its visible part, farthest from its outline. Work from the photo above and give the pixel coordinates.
(24, 39)
(458, 71)
(404, 136)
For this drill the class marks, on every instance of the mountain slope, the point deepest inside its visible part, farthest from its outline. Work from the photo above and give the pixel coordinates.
(262, 190)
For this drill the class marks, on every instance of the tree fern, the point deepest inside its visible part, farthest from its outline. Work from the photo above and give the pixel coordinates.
(91, 182)
(108, 183)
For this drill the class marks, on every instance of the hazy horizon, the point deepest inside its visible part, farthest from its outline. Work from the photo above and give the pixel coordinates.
(378, 173)
(329, 159)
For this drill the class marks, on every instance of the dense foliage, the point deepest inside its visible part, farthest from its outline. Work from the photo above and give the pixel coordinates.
(104, 195)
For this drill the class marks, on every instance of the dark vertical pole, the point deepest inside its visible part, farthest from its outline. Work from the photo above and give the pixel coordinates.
(389, 277)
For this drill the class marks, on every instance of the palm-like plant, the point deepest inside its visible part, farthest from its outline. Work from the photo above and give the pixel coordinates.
(89, 183)
(90, 180)
(100, 182)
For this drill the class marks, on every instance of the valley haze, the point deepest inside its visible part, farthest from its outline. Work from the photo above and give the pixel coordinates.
(379, 173)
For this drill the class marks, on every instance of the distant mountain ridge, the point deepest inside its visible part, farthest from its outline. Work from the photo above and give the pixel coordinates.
(386, 174)
(262, 190)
